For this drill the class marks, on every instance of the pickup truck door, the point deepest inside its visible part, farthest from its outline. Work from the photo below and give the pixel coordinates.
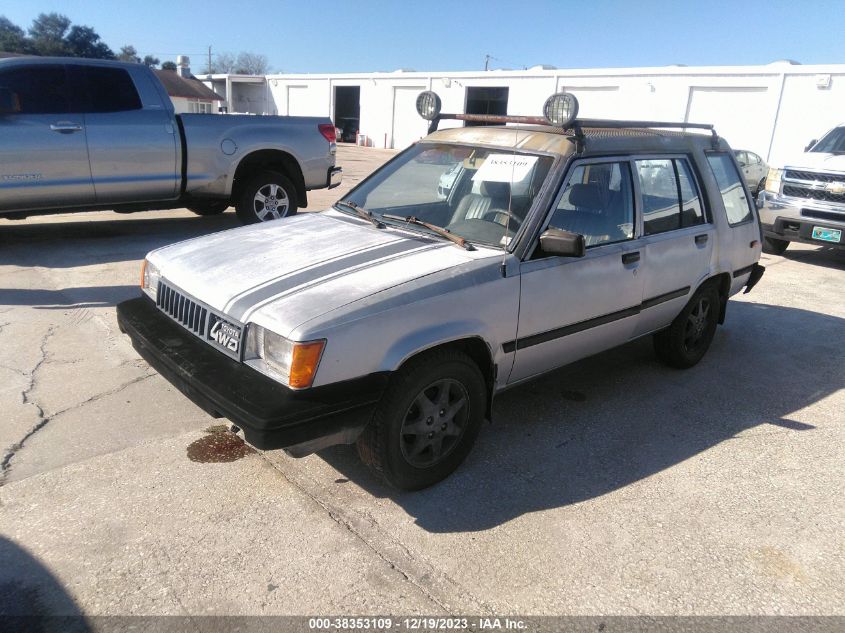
(132, 137)
(573, 307)
(43, 156)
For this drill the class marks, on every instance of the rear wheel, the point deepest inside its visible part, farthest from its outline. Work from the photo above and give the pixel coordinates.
(773, 246)
(266, 196)
(209, 208)
(427, 420)
(685, 342)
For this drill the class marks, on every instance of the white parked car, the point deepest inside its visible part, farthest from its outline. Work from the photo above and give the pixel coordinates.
(394, 318)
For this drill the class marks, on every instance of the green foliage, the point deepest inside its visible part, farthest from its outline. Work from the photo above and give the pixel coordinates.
(51, 34)
(168, 65)
(128, 54)
(151, 61)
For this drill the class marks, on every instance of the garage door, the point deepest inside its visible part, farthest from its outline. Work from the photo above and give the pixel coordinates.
(739, 114)
(408, 126)
(598, 102)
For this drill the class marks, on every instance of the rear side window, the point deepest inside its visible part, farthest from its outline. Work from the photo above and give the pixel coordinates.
(39, 89)
(670, 198)
(736, 203)
(107, 89)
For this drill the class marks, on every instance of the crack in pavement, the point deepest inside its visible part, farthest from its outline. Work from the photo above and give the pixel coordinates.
(403, 561)
(43, 420)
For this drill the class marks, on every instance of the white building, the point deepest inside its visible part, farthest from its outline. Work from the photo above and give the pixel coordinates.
(772, 110)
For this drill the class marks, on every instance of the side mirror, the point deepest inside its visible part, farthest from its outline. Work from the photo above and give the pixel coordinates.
(562, 243)
(810, 145)
(9, 102)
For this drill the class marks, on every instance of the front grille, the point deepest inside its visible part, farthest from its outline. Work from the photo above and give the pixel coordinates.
(812, 194)
(794, 174)
(183, 310)
(823, 215)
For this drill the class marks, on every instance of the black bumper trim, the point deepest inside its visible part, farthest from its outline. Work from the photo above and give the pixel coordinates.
(271, 415)
(785, 229)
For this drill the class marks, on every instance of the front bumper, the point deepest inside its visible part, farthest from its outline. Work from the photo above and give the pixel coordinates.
(793, 219)
(271, 415)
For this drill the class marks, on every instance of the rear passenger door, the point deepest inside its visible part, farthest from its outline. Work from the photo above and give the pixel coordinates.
(43, 156)
(574, 307)
(742, 241)
(677, 238)
(133, 148)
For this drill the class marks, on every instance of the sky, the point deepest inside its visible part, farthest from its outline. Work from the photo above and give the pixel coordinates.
(375, 35)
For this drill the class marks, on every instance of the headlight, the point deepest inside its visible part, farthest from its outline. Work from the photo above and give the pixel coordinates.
(293, 362)
(773, 180)
(150, 276)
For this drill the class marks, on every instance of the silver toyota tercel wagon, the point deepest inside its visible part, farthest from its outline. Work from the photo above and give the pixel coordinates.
(479, 258)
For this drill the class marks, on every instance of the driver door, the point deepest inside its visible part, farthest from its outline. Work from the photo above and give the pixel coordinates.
(571, 308)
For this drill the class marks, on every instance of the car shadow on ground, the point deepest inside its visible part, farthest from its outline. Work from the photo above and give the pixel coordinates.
(69, 243)
(32, 598)
(603, 423)
(826, 256)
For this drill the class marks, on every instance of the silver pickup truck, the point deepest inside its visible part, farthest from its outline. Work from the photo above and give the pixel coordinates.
(78, 135)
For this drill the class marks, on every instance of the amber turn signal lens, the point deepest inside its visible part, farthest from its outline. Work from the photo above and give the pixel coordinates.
(143, 271)
(303, 366)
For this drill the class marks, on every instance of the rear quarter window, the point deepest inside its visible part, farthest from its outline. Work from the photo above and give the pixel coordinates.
(737, 205)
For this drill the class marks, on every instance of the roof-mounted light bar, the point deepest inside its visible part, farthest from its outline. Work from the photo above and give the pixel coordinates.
(560, 110)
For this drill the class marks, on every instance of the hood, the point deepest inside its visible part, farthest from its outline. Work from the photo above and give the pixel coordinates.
(283, 273)
(816, 161)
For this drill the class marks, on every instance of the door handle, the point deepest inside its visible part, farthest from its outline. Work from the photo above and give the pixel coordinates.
(630, 258)
(66, 127)
(701, 239)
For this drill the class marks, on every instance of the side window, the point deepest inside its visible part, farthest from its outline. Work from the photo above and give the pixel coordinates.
(741, 158)
(753, 159)
(670, 197)
(106, 89)
(598, 203)
(730, 185)
(38, 89)
(691, 210)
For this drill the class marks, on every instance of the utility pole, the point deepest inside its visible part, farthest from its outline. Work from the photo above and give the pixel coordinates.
(209, 60)
(487, 59)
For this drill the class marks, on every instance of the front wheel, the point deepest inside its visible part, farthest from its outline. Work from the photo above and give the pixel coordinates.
(685, 342)
(266, 196)
(427, 420)
(773, 246)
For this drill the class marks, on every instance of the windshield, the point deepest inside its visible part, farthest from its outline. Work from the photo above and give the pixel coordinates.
(832, 143)
(480, 194)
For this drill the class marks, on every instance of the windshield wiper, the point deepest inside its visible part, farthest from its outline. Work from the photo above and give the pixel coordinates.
(433, 227)
(362, 212)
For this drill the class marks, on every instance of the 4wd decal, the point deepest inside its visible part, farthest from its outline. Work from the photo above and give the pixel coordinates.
(225, 334)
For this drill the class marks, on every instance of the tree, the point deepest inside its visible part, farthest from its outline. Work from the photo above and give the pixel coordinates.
(48, 32)
(168, 66)
(151, 61)
(251, 64)
(83, 41)
(12, 37)
(128, 54)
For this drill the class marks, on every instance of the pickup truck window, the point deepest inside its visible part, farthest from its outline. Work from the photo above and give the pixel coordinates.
(832, 143)
(40, 89)
(106, 89)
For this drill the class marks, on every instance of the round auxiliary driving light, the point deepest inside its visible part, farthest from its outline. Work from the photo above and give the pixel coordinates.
(428, 105)
(561, 109)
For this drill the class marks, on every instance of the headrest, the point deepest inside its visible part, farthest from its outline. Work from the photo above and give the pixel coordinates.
(586, 196)
(495, 190)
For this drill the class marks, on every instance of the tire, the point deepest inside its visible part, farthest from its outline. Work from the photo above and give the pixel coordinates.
(420, 398)
(278, 193)
(760, 186)
(685, 342)
(773, 246)
(209, 208)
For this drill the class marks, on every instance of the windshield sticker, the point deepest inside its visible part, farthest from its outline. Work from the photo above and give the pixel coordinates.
(505, 168)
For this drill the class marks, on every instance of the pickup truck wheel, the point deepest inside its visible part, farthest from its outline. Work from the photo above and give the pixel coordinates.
(426, 422)
(685, 342)
(209, 208)
(772, 246)
(268, 195)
